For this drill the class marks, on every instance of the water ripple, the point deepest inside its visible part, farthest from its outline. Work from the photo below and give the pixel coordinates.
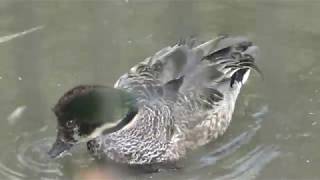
(9, 173)
(30, 160)
(33, 156)
(248, 163)
(249, 166)
(236, 143)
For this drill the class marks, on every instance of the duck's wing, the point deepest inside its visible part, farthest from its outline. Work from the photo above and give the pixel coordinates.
(200, 79)
(206, 64)
(158, 72)
(210, 89)
(225, 59)
(164, 67)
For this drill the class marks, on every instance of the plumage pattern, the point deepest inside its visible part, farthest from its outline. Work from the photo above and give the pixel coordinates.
(186, 99)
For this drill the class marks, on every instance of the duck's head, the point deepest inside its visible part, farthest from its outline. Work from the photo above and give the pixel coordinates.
(85, 112)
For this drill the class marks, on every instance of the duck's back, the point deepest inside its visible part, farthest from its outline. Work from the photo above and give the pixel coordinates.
(199, 66)
(188, 95)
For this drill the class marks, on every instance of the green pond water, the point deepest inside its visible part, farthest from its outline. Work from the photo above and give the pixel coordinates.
(47, 47)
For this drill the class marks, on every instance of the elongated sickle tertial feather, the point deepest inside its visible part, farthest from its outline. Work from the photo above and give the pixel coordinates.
(234, 58)
(242, 67)
(248, 62)
(245, 63)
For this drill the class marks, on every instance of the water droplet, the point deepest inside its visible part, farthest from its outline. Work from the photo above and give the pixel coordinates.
(16, 114)
(44, 128)
(314, 123)
(19, 78)
(308, 161)
(0, 77)
(59, 85)
(149, 36)
(304, 135)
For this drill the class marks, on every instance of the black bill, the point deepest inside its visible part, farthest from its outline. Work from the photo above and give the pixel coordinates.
(58, 148)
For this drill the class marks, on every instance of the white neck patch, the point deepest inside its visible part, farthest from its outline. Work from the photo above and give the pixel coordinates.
(98, 131)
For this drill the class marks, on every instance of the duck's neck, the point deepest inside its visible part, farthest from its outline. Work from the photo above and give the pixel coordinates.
(112, 127)
(105, 110)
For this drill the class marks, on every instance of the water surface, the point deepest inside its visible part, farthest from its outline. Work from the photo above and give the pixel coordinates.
(47, 47)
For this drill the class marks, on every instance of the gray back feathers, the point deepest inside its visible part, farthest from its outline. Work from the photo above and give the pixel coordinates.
(201, 66)
(187, 95)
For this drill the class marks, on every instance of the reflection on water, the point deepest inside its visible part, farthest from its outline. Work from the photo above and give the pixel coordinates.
(16, 115)
(19, 34)
(48, 47)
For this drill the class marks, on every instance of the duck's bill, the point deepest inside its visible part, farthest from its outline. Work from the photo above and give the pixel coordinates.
(58, 148)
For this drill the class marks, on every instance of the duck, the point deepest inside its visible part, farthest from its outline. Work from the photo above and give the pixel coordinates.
(169, 104)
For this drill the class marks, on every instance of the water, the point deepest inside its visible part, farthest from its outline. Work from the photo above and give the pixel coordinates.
(47, 47)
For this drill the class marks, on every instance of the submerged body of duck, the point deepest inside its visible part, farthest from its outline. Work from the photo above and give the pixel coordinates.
(175, 101)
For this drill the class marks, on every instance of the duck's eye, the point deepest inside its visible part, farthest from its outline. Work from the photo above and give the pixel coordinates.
(70, 124)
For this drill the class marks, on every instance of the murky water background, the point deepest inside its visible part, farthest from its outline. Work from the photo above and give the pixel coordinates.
(48, 47)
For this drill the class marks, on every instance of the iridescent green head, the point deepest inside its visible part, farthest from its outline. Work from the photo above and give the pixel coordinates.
(85, 112)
